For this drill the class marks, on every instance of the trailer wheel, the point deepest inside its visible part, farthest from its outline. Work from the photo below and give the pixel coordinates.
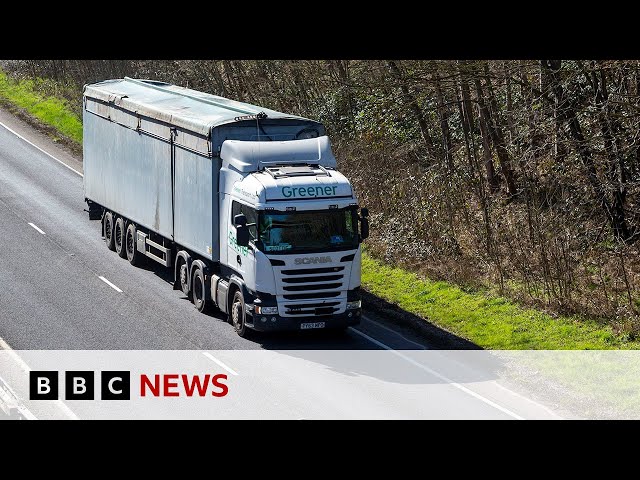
(133, 255)
(107, 223)
(119, 233)
(237, 314)
(199, 290)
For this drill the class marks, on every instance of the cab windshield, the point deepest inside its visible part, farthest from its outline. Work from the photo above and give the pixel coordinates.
(306, 232)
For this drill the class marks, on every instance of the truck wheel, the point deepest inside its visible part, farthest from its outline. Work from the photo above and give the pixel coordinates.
(133, 255)
(107, 222)
(199, 290)
(183, 278)
(119, 233)
(237, 314)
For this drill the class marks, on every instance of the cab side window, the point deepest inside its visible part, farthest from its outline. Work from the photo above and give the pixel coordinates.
(252, 217)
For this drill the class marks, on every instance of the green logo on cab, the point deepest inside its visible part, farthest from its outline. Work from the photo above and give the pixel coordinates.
(315, 191)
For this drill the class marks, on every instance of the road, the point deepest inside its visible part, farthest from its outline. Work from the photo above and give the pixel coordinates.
(62, 289)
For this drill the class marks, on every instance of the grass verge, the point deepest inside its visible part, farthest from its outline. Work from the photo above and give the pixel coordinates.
(51, 111)
(488, 321)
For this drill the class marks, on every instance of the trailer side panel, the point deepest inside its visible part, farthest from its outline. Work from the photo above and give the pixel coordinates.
(196, 202)
(127, 171)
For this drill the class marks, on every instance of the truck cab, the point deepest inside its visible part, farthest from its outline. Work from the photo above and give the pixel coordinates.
(291, 235)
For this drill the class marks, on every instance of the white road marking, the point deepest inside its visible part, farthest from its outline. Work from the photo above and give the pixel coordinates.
(110, 284)
(508, 390)
(215, 360)
(43, 151)
(9, 398)
(37, 229)
(539, 405)
(422, 347)
(61, 405)
(440, 376)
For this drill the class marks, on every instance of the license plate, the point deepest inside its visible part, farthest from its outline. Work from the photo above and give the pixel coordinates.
(306, 326)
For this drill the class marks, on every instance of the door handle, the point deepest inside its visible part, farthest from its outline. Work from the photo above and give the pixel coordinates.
(239, 260)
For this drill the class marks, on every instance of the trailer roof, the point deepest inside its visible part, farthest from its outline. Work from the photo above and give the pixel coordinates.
(190, 109)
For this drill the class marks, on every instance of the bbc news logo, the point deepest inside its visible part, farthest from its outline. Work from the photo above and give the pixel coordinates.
(80, 385)
(116, 385)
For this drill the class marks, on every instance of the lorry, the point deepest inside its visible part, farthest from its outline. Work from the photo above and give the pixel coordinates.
(245, 204)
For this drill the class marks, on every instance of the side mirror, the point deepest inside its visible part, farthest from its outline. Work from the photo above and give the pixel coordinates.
(364, 223)
(242, 231)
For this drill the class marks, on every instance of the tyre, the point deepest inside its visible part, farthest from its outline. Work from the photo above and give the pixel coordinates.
(133, 255)
(237, 315)
(183, 278)
(119, 233)
(199, 290)
(107, 223)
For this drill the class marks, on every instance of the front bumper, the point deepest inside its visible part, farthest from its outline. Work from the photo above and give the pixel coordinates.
(278, 323)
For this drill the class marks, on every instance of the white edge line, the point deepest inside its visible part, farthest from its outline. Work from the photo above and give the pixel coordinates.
(110, 284)
(26, 413)
(7, 394)
(440, 376)
(215, 360)
(422, 347)
(37, 229)
(43, 151)
(68, 412)
(6, 347)
(508, 390)
(538, 404)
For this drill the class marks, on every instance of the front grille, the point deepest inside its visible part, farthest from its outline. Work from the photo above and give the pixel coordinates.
(303, 296)
(323, 278)
(304, 283)
(314, 286)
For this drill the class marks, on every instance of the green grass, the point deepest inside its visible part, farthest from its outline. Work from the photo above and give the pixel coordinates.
(489, 321)
(50, 110)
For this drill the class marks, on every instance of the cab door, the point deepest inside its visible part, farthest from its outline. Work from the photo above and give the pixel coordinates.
(242, 259)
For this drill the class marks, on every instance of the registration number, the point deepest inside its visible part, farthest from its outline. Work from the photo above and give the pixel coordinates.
(306, 326)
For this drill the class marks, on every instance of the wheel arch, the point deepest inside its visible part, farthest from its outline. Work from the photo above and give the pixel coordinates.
(206, 271)
(199, 263)
(236, 283)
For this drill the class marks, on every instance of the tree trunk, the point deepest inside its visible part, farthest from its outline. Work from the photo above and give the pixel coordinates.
(492, 179)
(497, 135)
(567, 113)
(615, 170)
(412, 104)
(443, 115)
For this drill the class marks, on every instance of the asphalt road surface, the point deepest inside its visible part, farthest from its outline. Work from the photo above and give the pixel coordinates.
(61, 288)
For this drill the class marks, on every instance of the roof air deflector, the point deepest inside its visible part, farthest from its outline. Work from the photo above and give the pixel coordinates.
(297, 171)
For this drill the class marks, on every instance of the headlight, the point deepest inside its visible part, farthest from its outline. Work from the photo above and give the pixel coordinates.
(266, 310)
(354, 305)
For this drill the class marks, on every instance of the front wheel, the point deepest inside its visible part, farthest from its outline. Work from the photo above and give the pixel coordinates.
(238, 314)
